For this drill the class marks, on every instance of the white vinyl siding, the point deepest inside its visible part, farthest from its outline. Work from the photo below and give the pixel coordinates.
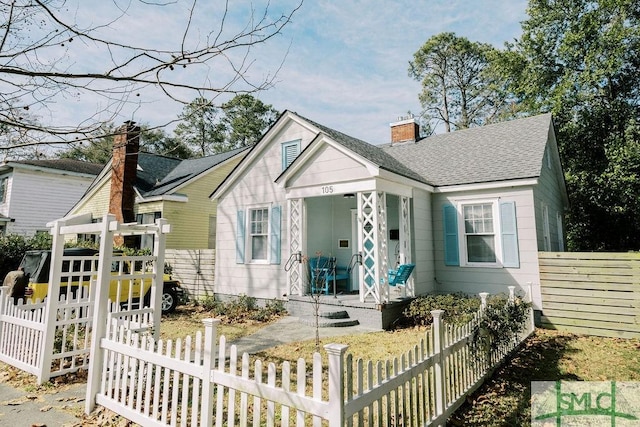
(36, 198)
(233, 271)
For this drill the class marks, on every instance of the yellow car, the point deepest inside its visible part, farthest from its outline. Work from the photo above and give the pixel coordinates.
(127, 290)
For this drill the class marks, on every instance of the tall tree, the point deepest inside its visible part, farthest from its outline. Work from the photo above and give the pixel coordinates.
(54, 51)
(245, 120)
(456, 84)
(158, 142)
(99, 148)
(200, 128)
(240, 122)
(579, 60)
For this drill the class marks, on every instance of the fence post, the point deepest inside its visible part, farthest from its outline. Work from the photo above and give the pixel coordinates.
(532, 319)
(100, 294)
(160, 238)
(208, 362)
(4, 290)
(439, 371)
(335, 413)
(512, 293)
(483, 300)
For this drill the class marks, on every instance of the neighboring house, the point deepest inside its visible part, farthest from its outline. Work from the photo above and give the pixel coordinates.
(141, 187)
(471, 209)
(34, 192)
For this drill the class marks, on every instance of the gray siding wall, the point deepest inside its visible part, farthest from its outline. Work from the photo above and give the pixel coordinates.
(487, 279)
(548, 192)
(423, 253)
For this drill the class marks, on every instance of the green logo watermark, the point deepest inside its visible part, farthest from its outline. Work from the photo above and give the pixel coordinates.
(585, 403)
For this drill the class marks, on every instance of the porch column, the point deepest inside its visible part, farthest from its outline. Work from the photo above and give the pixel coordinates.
(405, 240)
(296, 272)
(373, 234)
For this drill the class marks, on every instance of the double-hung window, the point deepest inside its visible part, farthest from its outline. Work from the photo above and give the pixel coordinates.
(481, 234)
(258, 235)
(3, 189)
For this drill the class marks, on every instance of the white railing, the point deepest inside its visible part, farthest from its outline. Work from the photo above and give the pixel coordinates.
(166, 383)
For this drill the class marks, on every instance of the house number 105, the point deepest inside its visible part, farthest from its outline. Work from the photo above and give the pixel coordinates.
(327, 189)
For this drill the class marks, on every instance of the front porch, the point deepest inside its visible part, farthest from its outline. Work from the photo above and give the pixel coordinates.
(368, 314)
(359, 236)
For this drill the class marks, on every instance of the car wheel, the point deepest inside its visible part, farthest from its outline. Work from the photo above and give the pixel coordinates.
(169, 301)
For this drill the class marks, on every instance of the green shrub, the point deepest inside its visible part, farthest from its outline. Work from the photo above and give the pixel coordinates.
(458, 309)
(13, 247)
(242, 309)
(500, 323)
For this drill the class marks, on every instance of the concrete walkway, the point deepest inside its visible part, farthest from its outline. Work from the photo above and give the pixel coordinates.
(65, 407)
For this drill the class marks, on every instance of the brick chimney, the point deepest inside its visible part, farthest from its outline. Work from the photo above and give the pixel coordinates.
(124, 164)
(406, 129)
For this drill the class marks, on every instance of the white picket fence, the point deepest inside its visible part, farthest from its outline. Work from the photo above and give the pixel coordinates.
(190, 382)
(46, 346)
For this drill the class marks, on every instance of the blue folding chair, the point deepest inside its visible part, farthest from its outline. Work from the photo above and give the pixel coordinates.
(400, 276)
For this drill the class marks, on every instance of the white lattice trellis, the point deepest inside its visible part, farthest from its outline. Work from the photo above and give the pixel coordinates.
(368, 226)
(296, 284)
(405, 239)
(382, 258)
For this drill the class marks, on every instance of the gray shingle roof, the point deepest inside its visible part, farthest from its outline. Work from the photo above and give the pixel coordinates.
(502, 151)
(176, 174)
(70, 165)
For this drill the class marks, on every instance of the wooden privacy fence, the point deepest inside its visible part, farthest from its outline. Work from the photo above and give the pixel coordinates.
(593, 293)
(195, 382)
(194, 268)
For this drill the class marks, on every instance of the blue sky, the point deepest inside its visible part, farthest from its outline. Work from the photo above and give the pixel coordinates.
(342, 63)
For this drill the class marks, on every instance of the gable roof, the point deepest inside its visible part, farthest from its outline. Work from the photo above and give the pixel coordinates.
(66, 165)
(158, 175)
(183, 172)
(503, 151)
(370, 152)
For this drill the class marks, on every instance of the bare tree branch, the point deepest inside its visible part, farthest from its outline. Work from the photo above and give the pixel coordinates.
(51, 53)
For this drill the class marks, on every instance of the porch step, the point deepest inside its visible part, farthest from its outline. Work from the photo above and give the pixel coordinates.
(324, 322)
(342, 314)
(330, 319)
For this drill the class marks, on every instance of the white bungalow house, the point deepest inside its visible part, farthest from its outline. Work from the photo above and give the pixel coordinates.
(471, 209)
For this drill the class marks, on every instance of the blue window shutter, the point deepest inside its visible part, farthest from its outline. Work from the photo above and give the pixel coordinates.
(274, 238)
(510, 253)
(451, 251)
(240, 240)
